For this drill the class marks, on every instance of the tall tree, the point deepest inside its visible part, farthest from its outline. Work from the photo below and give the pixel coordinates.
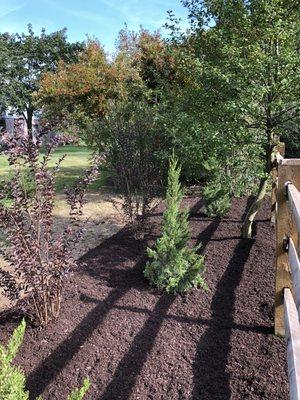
(81, 91)
(137, 70)
(150, 56)
(248, 76)
(26, 57)
(81, 94)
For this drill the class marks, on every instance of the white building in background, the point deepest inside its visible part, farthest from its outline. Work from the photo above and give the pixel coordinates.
(7, 123)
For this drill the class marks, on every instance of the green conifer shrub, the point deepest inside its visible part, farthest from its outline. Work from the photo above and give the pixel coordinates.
(216, 197)
(173, 266)
(217, 191)
(12, 379)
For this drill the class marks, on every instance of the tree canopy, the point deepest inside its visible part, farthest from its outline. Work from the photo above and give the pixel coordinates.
(246, 83)
(24, 58)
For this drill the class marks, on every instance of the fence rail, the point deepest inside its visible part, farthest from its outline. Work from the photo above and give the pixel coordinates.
(286, 215)
(292, 328)
(294, 201)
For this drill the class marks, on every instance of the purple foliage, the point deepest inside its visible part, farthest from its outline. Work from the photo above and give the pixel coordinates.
(41, 259)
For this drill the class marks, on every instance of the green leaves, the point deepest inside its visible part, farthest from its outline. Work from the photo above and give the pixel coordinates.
(15, 341)
(24, 58)
(244, 90)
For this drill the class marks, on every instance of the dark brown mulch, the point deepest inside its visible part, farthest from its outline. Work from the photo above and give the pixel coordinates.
(136, 343)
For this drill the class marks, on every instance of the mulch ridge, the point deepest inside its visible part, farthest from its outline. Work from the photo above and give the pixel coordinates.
(137, 343)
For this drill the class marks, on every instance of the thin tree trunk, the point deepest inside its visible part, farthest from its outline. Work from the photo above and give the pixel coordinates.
(253, 210)
(29, 119)
(255, 206)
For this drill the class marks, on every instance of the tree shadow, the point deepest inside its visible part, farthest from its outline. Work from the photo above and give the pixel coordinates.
(194, 210)
(206, 235)
(222, 239)
(263, 329)
(99, 264)
(123, 381)
(111, 261)
(211, 381)
(131, 365)
(49, 368)
(111, 253)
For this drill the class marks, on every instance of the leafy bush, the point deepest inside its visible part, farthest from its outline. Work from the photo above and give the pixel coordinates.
(217, 199)
(173, 266)
(40, 259)
(132, 158)
(12, 379)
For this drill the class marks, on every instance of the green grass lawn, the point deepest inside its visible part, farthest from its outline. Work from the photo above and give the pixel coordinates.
(77, 159)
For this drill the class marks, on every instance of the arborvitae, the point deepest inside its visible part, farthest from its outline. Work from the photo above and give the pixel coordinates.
(173, 266)
(217, 198)
(12, 379)
(216, 193)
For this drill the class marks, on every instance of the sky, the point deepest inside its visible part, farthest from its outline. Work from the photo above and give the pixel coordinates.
(97, 18)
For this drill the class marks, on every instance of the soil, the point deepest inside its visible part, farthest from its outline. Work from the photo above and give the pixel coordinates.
(137, 343)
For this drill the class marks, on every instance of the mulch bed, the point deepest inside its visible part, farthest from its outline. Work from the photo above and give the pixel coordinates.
(137, 343)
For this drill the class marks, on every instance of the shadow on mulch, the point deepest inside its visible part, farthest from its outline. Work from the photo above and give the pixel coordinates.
(132, 363)
(202, 326)
(49, 368)
(211, 381)
(214, 347)
(120, 280)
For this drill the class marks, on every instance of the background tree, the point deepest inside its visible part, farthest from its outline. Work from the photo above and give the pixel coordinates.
(115, 106)
(133, 158)
(151, 57)
(26, 57)
(223, 91)
(80, 92)
(246, 85)
(4, 67)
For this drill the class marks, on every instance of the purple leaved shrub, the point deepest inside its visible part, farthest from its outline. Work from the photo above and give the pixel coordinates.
(40, 257)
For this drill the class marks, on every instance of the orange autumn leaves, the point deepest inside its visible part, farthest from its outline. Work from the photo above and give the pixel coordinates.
(88, 87)
(87, 84)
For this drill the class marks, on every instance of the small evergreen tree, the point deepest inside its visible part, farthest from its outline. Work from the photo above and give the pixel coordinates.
(12, 379)
(173, 266)
(216, 193)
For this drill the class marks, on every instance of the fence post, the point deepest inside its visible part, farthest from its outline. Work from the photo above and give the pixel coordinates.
(280, 148)
(288, 170)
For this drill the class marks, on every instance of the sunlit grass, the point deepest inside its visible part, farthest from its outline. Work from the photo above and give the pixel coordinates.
(78, 158)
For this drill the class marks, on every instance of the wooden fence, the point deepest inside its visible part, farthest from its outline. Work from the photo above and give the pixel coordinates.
(286, 215)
